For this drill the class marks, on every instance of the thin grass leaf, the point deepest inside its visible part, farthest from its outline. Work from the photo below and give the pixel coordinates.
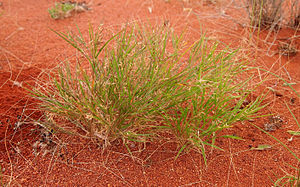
(233, 137)
(296, 133)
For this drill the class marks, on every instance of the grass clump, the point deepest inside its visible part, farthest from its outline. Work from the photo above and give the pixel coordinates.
(121, 94)
(295, 14)
(144, 81)
(63, 10)
(265, 14)
(217, 98)
(273, 14)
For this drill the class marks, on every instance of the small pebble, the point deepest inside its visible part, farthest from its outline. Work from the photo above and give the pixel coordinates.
(132, 145)
(292, 100)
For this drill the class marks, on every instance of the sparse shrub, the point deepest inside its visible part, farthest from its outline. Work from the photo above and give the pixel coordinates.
(143, 81)
(273, 14)
(295, 14)
(63, 10)
(265, 13)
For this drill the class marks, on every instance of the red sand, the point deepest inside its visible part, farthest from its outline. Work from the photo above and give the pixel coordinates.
(27, 47)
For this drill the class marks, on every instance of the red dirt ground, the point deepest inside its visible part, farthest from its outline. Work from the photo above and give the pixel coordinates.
(28, 47)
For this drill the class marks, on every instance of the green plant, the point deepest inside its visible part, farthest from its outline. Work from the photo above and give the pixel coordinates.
(145, 80)
(217, 98)
(265, 13)
(120, 95)
(61, 10)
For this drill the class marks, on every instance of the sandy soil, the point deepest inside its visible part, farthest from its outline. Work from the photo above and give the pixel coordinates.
(28, 47)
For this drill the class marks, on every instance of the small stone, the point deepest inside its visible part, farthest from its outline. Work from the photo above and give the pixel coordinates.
(269, 127)
(293, 100)
(132, 145)
(275, 122)
(279, 94)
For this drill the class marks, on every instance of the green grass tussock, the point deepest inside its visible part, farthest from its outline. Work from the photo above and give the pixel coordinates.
(144, 81)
